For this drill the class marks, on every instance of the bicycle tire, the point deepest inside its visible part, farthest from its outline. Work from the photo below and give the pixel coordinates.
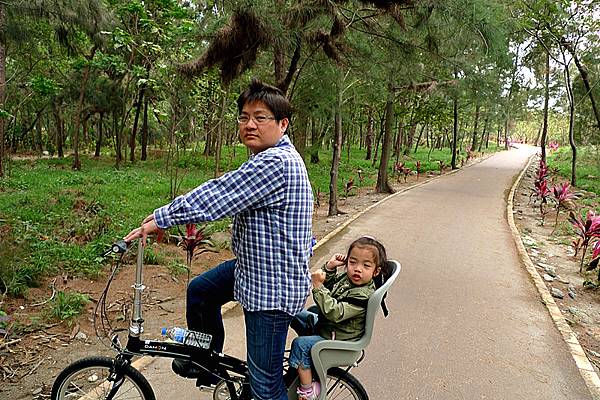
(89, 378)
(343, 385)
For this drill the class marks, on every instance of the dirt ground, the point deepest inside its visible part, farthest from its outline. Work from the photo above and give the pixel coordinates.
(553, 255)
(29, 364)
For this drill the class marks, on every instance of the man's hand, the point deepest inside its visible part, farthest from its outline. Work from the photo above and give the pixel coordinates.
(336, 261)
(148, 227)
(318, 277)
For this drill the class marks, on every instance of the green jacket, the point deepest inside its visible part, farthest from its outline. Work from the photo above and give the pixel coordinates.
(345, 319)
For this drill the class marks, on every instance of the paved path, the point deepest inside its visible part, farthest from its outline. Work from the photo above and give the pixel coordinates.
(466, 321)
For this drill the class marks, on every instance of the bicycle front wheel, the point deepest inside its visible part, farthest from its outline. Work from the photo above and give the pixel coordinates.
(95, 378)
(342, 385)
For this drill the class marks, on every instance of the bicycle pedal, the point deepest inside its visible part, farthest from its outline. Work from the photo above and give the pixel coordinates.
(206, 389)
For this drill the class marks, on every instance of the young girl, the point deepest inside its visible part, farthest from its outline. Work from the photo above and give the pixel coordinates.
(338, 298)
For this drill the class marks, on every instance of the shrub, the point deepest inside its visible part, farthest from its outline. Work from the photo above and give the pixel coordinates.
(67, 306)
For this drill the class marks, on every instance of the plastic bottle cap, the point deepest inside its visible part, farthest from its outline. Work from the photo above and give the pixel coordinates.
(163, 331)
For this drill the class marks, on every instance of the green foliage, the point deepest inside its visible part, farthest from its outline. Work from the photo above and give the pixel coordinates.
(66, 306)
(588, 166)
(176, 267)
(153, 256)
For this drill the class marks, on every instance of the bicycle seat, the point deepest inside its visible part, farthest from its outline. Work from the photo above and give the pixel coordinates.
(336, 353)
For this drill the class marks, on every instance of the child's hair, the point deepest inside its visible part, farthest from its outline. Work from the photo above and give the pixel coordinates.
(380, 255)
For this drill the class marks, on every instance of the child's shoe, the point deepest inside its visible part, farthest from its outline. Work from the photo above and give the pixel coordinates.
(311, 393)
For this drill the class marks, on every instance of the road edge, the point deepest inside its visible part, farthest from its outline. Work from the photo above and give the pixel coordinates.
(584, 365)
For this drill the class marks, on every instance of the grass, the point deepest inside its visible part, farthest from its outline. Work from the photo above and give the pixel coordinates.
(67, 306)
(55, 220)
(588, 166)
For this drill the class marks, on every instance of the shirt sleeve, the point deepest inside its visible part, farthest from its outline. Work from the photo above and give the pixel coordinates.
(259, 181)
(332, 309)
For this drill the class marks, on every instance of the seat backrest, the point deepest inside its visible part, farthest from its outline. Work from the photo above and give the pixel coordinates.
(376, 298)
(334, 353)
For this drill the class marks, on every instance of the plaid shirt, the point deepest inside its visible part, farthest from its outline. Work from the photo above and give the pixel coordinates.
(271, 200)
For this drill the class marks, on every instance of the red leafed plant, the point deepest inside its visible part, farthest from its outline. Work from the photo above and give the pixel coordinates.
(398, 169)
(441, 166)
(587, 231)
(563, 198)
(540, 189)
(361, 178)
(196, 241)
(542, 193)
(349, 186)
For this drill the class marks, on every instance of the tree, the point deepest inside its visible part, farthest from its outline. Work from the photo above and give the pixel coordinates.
(66, 17)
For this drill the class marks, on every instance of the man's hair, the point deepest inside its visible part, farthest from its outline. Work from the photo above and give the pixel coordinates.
(273, 97)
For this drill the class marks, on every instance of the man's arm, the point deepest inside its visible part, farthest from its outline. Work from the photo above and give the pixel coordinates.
(258, 179)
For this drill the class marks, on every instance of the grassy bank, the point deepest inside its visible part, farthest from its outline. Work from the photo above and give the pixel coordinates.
(588, 166)
(55, 220)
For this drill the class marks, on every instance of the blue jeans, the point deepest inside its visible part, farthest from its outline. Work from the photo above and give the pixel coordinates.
(301, 346)
(266, 331)
(206, 294)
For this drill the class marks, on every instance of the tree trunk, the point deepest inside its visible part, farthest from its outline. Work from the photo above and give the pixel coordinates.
(37, 137)
(483, 134)
(220, 131)
(400, 138)
(86, 74)
(583, 72)
(571, 121)
(144, 132)
(99, 138)
(546, 102)
(337, 150)
(60, 126)
(138, 109)
(454, 128)
(2, 86)
(475, 124)
(369, 136)
(117, 133)
(300, 135)
(383, 185)
(419, 137)
(285, 83)
(410, 137)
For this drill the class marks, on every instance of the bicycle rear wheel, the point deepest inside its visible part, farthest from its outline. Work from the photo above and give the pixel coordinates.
(94, 378)
(341, 385)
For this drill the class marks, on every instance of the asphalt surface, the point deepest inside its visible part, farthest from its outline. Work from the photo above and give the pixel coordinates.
(466, 322)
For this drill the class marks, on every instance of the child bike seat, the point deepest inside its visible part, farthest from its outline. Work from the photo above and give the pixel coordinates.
(336, 353)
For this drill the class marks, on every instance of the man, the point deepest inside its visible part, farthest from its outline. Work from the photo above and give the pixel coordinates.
(270, 198)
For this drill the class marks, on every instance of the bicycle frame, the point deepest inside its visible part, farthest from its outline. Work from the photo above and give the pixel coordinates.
(218, 363)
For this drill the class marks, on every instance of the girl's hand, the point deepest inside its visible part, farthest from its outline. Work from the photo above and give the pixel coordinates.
(318, 277)
(336, 261)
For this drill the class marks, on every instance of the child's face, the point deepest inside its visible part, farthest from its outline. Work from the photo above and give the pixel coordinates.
(362, 265)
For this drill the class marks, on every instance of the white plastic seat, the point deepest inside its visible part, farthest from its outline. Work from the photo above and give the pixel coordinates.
(337, 353)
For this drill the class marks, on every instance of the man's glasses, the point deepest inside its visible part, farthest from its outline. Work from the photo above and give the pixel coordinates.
(258, 119)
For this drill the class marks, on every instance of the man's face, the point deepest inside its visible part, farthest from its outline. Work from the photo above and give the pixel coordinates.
(260, 131)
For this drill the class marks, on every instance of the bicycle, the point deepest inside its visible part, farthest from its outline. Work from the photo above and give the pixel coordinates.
(102, 377)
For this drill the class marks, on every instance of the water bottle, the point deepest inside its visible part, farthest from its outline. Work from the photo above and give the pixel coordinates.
(188, 337)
